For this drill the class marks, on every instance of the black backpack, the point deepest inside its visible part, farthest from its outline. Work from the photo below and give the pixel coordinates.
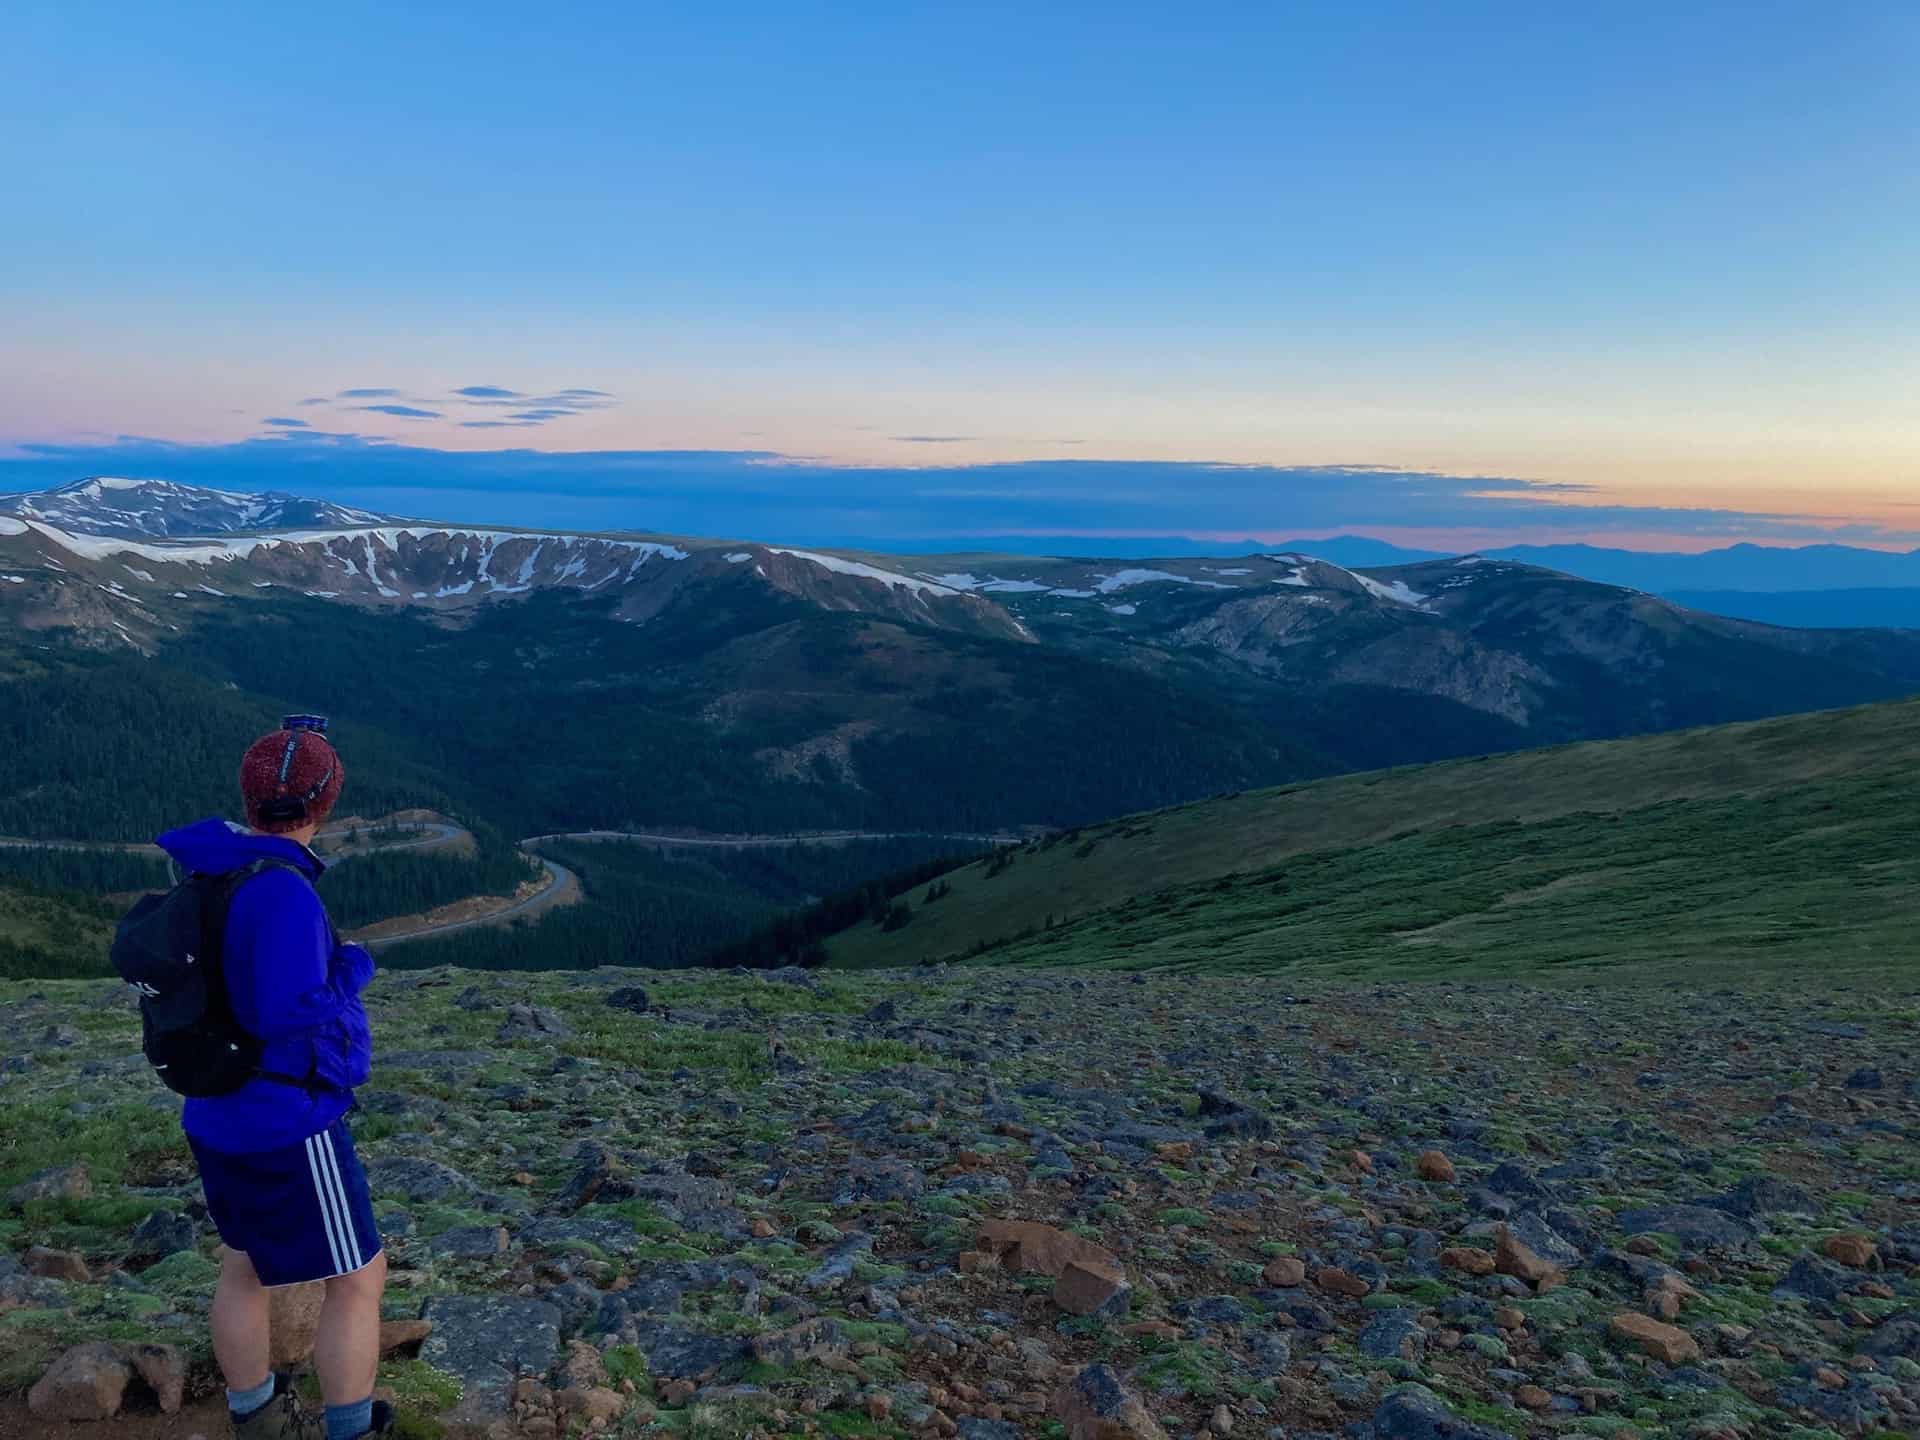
(168, 949)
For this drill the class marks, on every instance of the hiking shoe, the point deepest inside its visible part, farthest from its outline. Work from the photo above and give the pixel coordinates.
(281, 1418)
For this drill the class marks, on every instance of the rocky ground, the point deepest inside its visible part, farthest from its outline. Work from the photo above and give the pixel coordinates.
(1000, 1204)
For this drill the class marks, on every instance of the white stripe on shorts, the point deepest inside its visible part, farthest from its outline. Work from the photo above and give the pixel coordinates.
(326, 1203)
(349, 1236)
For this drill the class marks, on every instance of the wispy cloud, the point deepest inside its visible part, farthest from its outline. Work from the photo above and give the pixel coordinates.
(285, 422)
(374, 392)
(537, 416)
(318, 400)
(933, 439)
(405, 412)
(487, 392)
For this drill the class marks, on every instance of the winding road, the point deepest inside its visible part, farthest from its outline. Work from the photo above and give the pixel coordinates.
(562, 885)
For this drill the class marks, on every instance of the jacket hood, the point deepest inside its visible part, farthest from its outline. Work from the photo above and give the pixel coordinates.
(214, 846)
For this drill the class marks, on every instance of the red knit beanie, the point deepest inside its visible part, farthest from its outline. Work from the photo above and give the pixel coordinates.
(295, 768)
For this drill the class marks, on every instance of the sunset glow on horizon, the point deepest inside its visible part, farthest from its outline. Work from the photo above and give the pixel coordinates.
(1650, 272)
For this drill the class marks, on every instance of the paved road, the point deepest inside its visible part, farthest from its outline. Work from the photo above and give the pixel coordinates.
(808, 837)
(563, 886)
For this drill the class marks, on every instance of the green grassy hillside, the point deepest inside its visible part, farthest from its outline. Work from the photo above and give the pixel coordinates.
(1782, 845)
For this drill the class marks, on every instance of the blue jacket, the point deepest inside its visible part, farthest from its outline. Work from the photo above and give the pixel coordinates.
(290, 982)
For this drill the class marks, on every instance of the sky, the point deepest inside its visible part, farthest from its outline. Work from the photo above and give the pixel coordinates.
(1449, 274)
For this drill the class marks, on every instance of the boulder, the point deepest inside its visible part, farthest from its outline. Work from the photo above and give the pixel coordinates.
(293, 1321)
(1087, 1287)
(1697, 1225)
(87, 1382)
(1097, 1405)
(398, 1335)
(164, 1233)
(1026, 1246)
(1467, 1260)
(1285, 1271)
(1513, 1257)
(1853, 1250)
(1393, 1335)
(1416, 1413)
(163, 1371)
(58, 1265)
(1666, 1343)
(62, 1182)
(1342, 1282)
(1435, 1166)
(631, 998)
(484, 1342)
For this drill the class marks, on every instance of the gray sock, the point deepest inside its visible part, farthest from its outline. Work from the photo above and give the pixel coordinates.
(244, 1402)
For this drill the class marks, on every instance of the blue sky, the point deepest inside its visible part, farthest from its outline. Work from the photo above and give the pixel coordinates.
(1662, 254)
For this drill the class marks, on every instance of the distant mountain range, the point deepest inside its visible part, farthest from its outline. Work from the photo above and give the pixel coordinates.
(158, 509)
(540, 681)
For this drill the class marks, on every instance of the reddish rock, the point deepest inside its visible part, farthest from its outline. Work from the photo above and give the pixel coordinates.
(1511, 1257)
(1435, 1166)
(1666, 1343)
(397, 1335)
(293, 1321)
(972, 1261)
(1850, 1249)
(879, 1406)
(1532, 1397)
(677, 1392)
(86, 1383)
(1086, 1287)
(1096, 1405)
(1508, 1318)
(593, 1403)
(1285, 1271)
(1362, 1161)
(1032, 1248)
(763, 1229)
(1178, 1151)
(1340, 1282)
(1467, 1260)
(58, 1265)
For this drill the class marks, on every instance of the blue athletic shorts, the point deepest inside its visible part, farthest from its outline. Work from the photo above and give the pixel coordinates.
(300, 1212)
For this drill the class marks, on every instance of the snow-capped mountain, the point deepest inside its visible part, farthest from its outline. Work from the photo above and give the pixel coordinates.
(162, 509)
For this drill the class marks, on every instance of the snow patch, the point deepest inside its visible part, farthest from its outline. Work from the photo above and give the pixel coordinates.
(1398, 591)
(739, 557)
(14, 579)
(1018, 587)
(209, 590)
(867, 572)
(1121, 579)
(1124, 609)
(10, 526)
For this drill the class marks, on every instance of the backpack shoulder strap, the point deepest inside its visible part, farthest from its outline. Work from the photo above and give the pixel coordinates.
(220, 891)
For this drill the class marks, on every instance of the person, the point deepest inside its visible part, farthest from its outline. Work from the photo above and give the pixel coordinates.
(283, 1185)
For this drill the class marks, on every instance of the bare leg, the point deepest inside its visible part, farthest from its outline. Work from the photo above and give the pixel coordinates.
(239, 1322)
(347, 1349)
